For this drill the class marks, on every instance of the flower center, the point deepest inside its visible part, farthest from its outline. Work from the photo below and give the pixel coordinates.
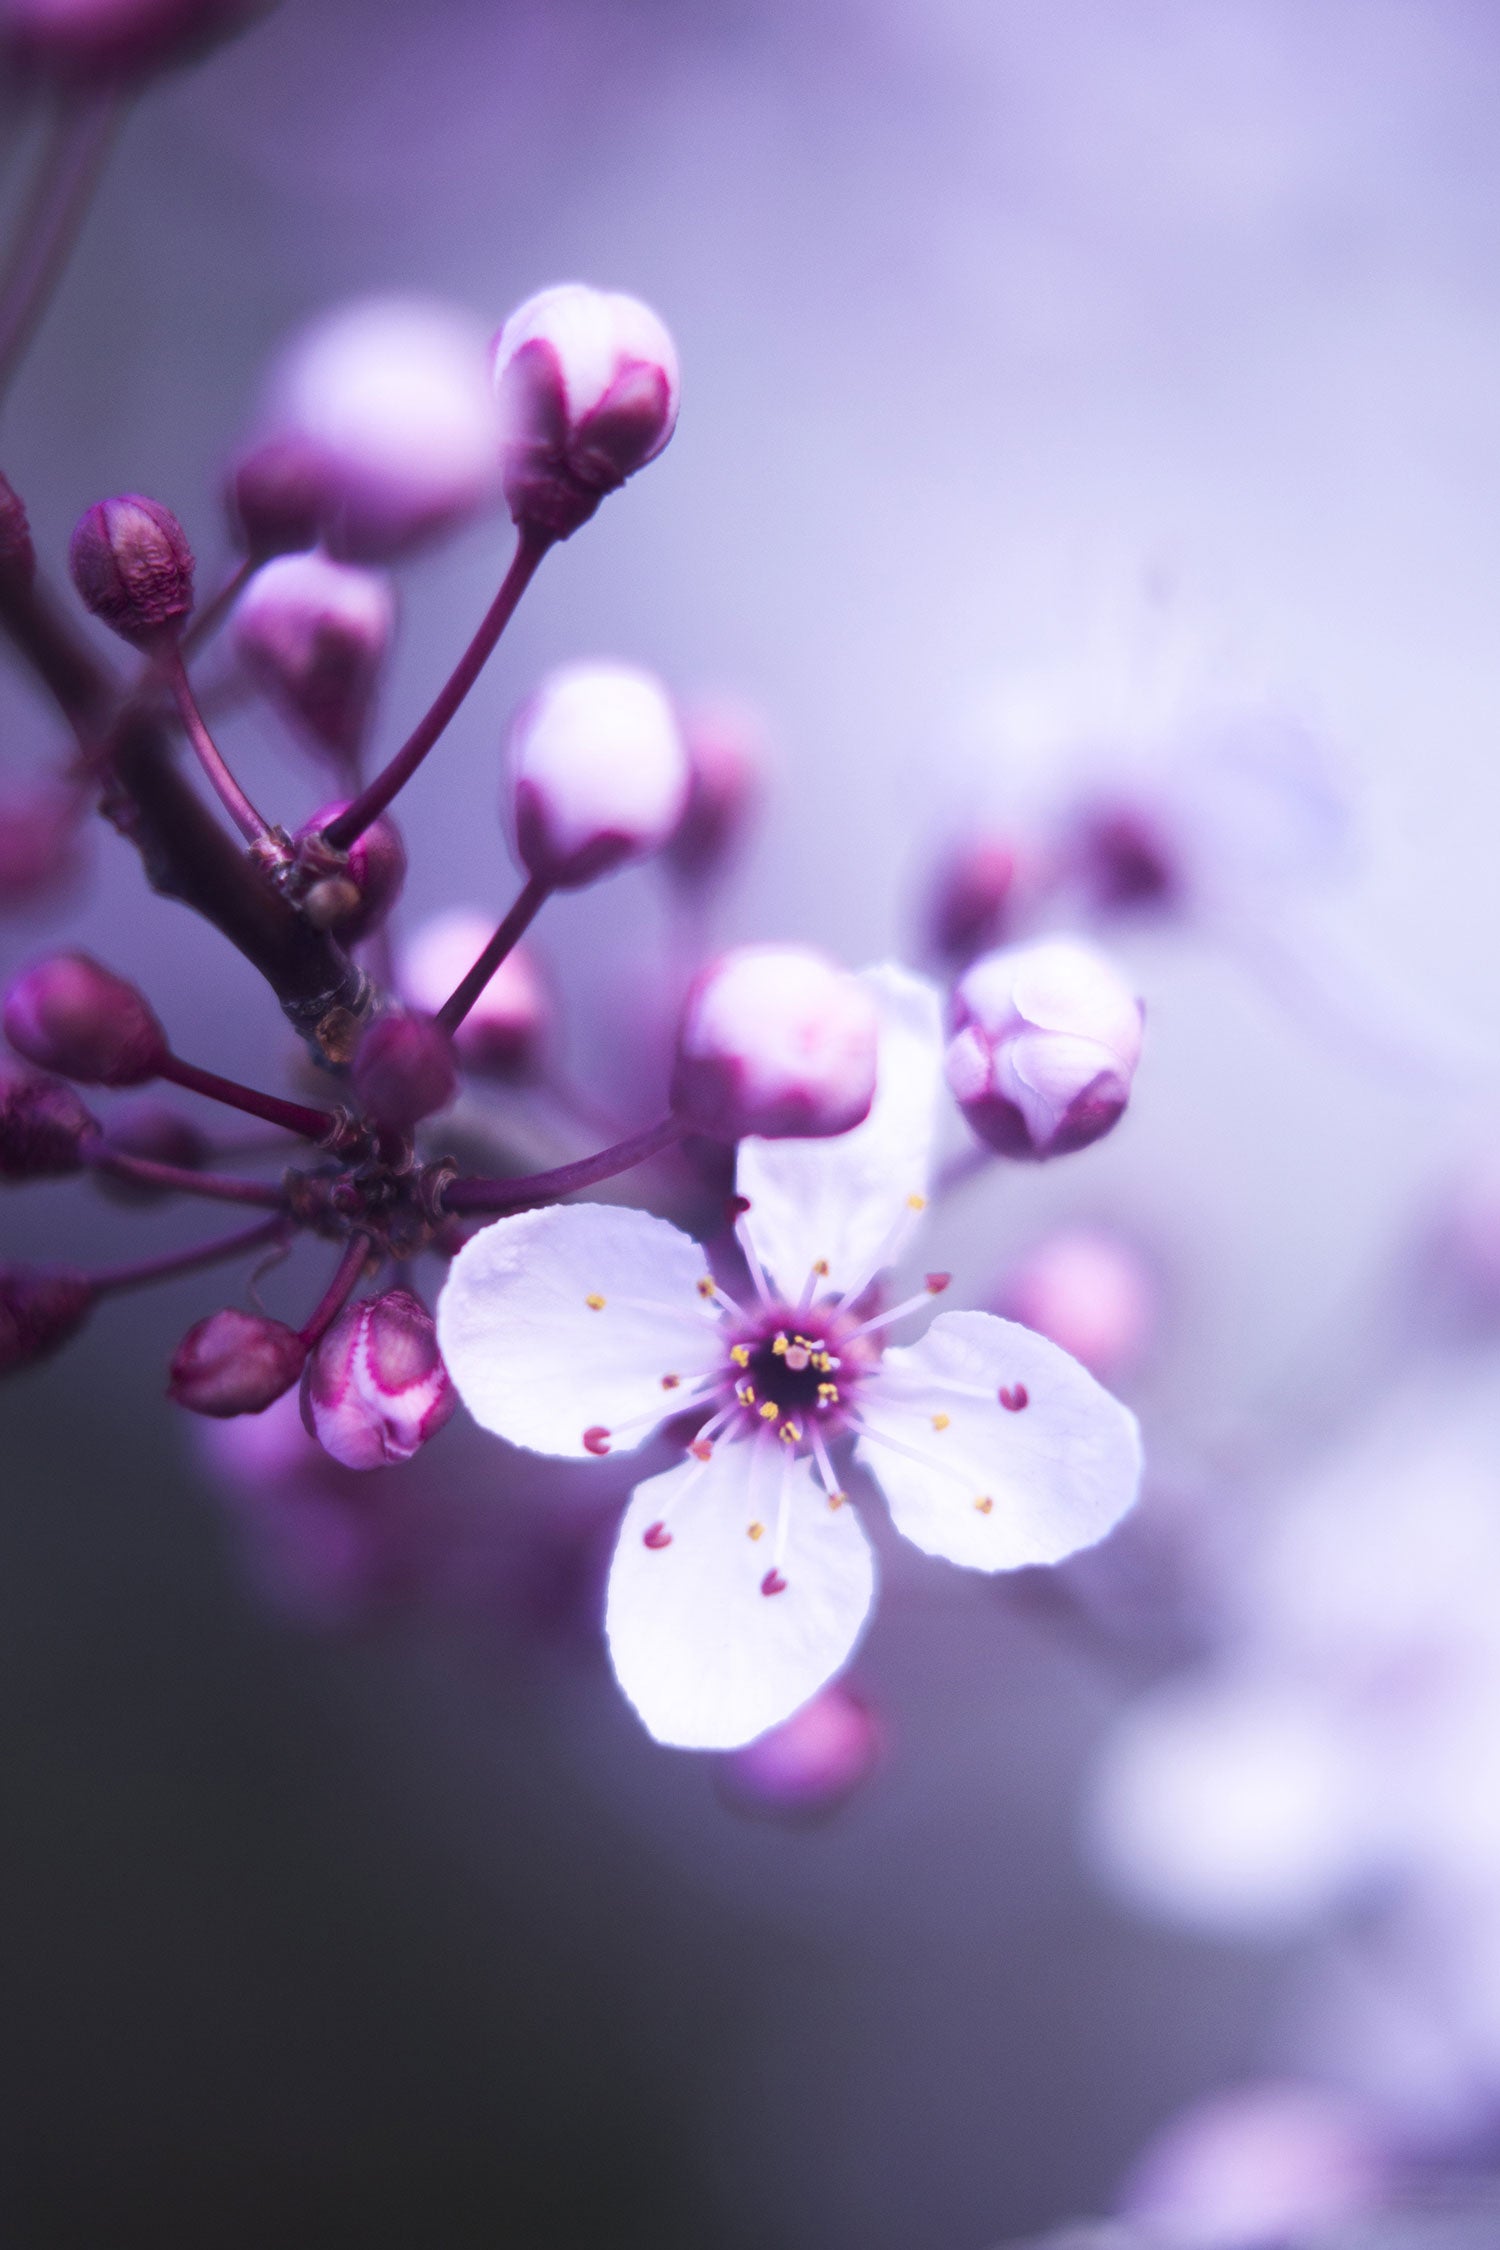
(787, 1374)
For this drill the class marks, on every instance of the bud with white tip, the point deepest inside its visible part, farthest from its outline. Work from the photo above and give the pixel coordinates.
(380, 433)
(778, 1041)
(376, 1388)
(502, 1032)
(598, 772)
(1048, 1038)
(131, 563)
(314, 634)
(587, 383)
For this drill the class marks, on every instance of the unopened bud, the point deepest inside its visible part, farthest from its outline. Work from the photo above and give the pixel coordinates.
(1089, 1291)
(235, 1363)
(376, 1388)
(355, 892)
(133, 568)
(404, 1071)
(1124, 859)
(972, 899)
(41, 1309)
(811, 1763)
(43, 1126)
(726, 751)
(154, 1130)
(17, 554)
(587, 384)
(598, 772)
(314, 634)
(778, 1041)
(380, 433)
(105, 39)
(41, 842)
(1047, 1043)
(71, 1015)
(502, 1032)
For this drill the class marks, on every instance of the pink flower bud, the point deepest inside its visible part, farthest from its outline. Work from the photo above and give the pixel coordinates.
(1089, 1291)
(314, 634)
(376, 1388)
(587, 386)
(116, 38)
(1047, 1042)
(17, 555)
(501, 1034)
(811, 1763)
(404, 1071)
(361, 885)
(43, 1126)
(726, 751)
(152, 1129)
(41, 1309)
(133, 568)
(778, 1041)
(380, 433)
(41, 842)
(598, 770)
(69, 1014)
(235, 1363)
(1125, 859)
(972, 901)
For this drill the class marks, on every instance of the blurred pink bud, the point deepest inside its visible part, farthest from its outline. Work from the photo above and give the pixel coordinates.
(235, 1363)
(1258, 2167)
(376, 1388)
(41, 842)
(726, 749)
(380, 433)
(152, 1129)
(1048, 1037)
(404, 1071)
(43, 1126)
(1125, 859)
(116, 38)
(587, 386)
(598, 770)
(314, 634)
(360, 886)
(971, 904)
(502, 1032)
(69, 1014)
(778, 1041)
(133, 568)
(41, 1309)
(1090, 1292)
(17, 555)
(812, 1762)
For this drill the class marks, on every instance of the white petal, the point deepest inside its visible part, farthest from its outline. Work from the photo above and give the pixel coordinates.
(1059, 1467)
(853, 1200)
(537, 1361)
(707, 1657)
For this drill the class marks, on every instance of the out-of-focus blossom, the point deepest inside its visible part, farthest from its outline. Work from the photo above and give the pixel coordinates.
(376, 1388)
(17, 550)
(501, 1034)
(131, 563)
(812, 1762)
(360, 886)
(742, 1577)
(41, 842)
(379, 433)
(1089, 1290)
(404, 1071)
(971, 899)
(235, 1363)
(69, 1014)
(1258, 2167)
(93, 39)
(598, 772)
(1047, 1038)
(314, 634)
(146, 1127)
(587, 385)
(777, 1041)
(41, 1309)
(727, 756)
(43, 1126)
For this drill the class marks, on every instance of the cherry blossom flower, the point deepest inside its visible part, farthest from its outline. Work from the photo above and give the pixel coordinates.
(742, 1577)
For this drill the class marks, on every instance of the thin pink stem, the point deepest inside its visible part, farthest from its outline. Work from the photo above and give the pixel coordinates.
(311, 1124)
(189, 1261)
(212, 614)
(373, 799)
(230, 795)
(490, 1196)
(180, 1179)
(50, 225)
(520, 918)
(339, 1290)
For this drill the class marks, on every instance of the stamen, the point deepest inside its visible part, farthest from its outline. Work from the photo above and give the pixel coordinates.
(757, 1270)
(740, 1354)
(985, 1506)
(926, 1461)
(908, 1305)
(596, 1440)
(770, 1410)
(828, 1394)
(656, 1536)
(791, 1433)
(671, 1382)
(836, 1498)
(594, 1303)
(809, 1287)
(773, 1582)
(1014, 1398)
(941, 1421)
(757, 1531)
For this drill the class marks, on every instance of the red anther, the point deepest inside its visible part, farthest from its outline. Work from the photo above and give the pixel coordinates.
(773, 1583)
(596, 1439)
(656, 1536)
(937, 1283)
(701, 1450)
(671, 1382)
(735, 1207)
(1014, 1397)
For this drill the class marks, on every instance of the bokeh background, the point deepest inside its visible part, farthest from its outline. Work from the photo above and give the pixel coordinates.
(1020, 345)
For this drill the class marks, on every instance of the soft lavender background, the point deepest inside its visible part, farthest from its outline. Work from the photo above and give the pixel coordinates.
(986, 312)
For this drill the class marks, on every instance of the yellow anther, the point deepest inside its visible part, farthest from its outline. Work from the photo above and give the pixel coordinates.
(820, 1268)
(707, 1287)
(757, 1531)
(916, 1203)
(828, 1394)
(595, 1304)
(941, 1421)
(740, 1354)
(769, 1410)
(745, 1393)
(778, 1346)
(984, 1506)
(791, 1433)
(836, 1499)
